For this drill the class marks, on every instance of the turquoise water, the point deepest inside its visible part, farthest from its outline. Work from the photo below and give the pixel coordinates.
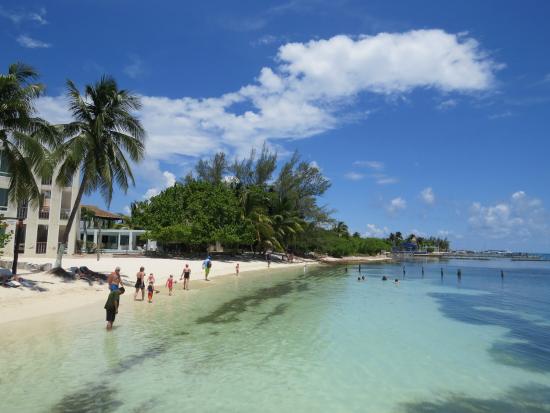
(318, 341)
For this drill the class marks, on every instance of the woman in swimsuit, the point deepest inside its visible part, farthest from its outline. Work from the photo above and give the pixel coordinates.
(186, 274)
(140, 284)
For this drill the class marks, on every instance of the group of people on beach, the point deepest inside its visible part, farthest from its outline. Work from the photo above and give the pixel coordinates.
(116, 287)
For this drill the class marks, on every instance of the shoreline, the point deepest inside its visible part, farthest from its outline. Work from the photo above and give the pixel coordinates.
(23, 303)
(356, 260)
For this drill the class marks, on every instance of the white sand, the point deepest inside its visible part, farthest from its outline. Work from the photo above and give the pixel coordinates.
(23, 303)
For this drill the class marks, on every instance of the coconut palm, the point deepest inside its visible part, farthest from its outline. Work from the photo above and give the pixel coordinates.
(104, 134)
(341, 229)
(24, 138)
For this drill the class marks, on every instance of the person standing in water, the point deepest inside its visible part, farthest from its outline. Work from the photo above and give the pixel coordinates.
(111, 306)
(186, 274)
(268, 259)
(422, 271)
(441, 273)
(140, 284)
(150, 291)
(114, 280)
(151, 279)
(237, 269)
(206, 266)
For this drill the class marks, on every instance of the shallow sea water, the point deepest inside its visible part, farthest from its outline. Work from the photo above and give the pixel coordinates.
(295, 341)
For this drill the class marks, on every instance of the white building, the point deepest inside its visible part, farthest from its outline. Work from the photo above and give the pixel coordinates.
(101, 232)
(43, 227)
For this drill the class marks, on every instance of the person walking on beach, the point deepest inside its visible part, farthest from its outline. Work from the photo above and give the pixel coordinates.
(186, 274)
(140, 284)
(151, 280)
(150, 291)
(114, 280)
(207, 266)
(237, 269)
(111, 306)
(170, 284)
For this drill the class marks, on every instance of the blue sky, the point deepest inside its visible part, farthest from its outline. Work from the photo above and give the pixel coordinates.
(427, 116)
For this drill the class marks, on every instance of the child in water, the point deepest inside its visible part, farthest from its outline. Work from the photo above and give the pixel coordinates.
(170, 284)
(150, 291)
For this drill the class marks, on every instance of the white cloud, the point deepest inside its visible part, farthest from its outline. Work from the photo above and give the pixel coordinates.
(374, 231)
(370, 164)
(314, 164)
(501, 115)
(266, 39)
(521, 217)
(354, 176)
(427, 195)
(127, 210)
(447, 104)
(29, 42)
(135, 68)
(310, 90)
(19, 16)
(396, 204)
(382, 179)
(169, 180)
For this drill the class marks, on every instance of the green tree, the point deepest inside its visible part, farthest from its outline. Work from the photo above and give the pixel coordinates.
(104, 134)
(341, 229)
(24, 138)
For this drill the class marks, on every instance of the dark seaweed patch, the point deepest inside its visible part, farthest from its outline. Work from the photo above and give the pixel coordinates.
(280, 309)
(525, 399)
(229, 311)
(529, 348)
(98, 398)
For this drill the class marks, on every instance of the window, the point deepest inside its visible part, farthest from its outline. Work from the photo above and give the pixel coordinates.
(3, 163)
(3, 199)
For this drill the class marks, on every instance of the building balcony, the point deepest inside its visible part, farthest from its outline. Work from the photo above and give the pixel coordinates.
(41, 247)
(22, 211)
(44, 213)
(64, 213)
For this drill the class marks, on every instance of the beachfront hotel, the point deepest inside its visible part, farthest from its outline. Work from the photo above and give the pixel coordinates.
(43, 226)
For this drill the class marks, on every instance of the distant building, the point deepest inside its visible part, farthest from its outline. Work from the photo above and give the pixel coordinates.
(106, 231)
(43, 227)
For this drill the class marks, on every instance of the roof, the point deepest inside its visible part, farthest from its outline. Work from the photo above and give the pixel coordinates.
(100, 213)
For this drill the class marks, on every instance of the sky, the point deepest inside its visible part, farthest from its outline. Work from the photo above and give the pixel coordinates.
(428, 117)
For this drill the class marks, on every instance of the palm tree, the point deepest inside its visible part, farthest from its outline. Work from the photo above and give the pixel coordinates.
(341, 229)
(104, 133)
(24, 138)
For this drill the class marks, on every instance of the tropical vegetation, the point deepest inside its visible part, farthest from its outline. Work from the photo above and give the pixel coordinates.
(246, 205)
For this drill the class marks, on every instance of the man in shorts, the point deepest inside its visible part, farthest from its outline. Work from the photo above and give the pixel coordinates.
(207, 265)
(111, 306)
(140, 284)
(114, 279)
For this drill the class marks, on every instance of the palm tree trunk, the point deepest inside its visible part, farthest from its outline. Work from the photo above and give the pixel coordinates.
(85, 243)
(61, 247)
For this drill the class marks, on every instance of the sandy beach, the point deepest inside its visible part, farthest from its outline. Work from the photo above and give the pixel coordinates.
(21, 303)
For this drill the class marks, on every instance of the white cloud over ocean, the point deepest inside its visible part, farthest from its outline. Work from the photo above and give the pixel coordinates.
(306, 91)
(519, 217)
